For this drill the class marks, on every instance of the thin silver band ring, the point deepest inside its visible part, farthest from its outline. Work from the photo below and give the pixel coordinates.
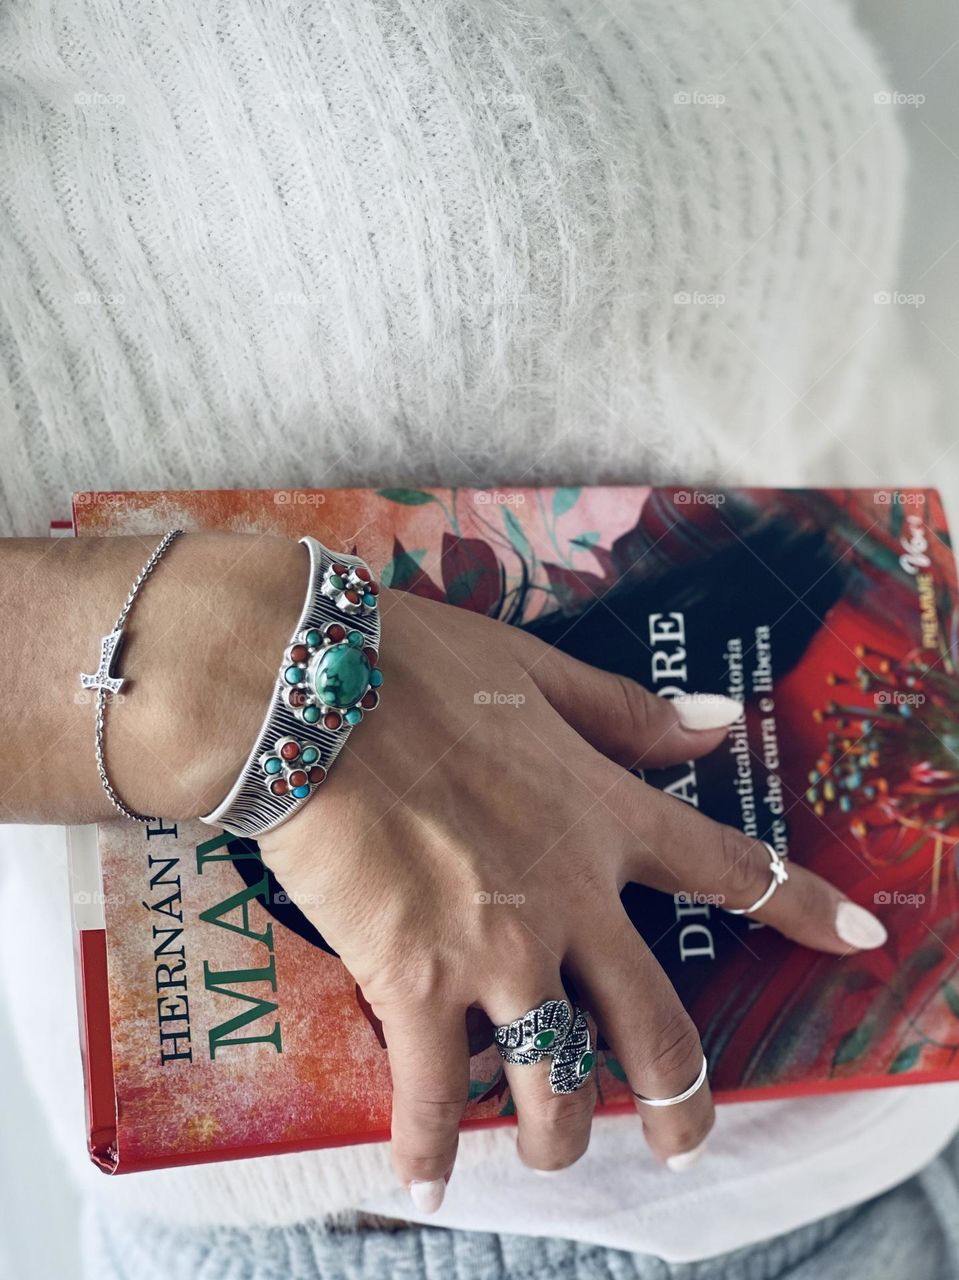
(780, 875)
(680, 1097)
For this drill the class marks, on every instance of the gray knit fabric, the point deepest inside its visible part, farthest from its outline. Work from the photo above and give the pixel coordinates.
(911, 1233)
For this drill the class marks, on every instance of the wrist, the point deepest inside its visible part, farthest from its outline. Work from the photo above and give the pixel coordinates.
(202, 655)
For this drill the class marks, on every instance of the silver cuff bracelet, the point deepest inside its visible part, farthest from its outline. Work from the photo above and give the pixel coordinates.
(326, 682)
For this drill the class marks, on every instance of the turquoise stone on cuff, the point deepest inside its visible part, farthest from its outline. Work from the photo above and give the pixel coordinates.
(293, 675)
(353, 716)
(376, 677)
(342, 674)
(309, 755)
(300, 792)
(313, 639)
(311, 714)
(273, 765)
(369, 600)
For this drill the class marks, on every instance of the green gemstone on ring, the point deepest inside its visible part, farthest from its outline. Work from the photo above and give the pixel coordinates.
(544, 1039)
(586, 1064)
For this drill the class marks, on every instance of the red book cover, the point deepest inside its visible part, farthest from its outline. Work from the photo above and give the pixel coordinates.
(216, 1021)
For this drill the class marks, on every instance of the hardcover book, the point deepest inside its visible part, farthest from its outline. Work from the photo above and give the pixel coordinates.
(217, 1022)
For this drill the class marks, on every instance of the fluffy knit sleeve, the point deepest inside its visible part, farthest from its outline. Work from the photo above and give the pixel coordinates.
(435, 241)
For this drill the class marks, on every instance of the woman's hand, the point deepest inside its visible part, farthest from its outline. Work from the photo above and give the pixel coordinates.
(470, 844)
(468, 850)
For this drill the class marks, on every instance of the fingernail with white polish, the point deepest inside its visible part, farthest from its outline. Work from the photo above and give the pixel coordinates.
(685, 1159)
(858, 927)
(428, 1196)
(706, 710)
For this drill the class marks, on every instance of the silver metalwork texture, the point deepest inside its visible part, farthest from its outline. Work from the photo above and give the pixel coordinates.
(551, 1030)
(252, 806)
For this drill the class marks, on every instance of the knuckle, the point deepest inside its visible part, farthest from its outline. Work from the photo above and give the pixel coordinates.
(562, 1114)
(672, 1065)
(634, 702)
(741, 861)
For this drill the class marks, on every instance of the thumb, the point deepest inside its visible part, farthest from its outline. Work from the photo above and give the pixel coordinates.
(626, 722)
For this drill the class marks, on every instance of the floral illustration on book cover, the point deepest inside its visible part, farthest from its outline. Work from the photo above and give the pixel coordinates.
(831, 614)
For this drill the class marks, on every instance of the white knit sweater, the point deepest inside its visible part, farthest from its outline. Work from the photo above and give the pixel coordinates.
(369, 241)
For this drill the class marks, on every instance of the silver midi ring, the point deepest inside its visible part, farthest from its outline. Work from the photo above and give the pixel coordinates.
(780, 875)
(551, 1030)
(680, 1097)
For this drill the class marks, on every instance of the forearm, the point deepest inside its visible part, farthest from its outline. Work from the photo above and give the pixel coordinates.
(200, 656)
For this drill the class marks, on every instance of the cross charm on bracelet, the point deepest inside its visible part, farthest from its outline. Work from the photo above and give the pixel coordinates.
(103, 677)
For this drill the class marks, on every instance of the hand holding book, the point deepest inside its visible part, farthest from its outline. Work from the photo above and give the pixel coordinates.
(471, 853)
(466, 852)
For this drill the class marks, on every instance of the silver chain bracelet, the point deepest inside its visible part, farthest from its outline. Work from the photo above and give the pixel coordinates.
(104, 681)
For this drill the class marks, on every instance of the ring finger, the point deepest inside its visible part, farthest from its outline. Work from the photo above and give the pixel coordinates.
(553, 1130)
